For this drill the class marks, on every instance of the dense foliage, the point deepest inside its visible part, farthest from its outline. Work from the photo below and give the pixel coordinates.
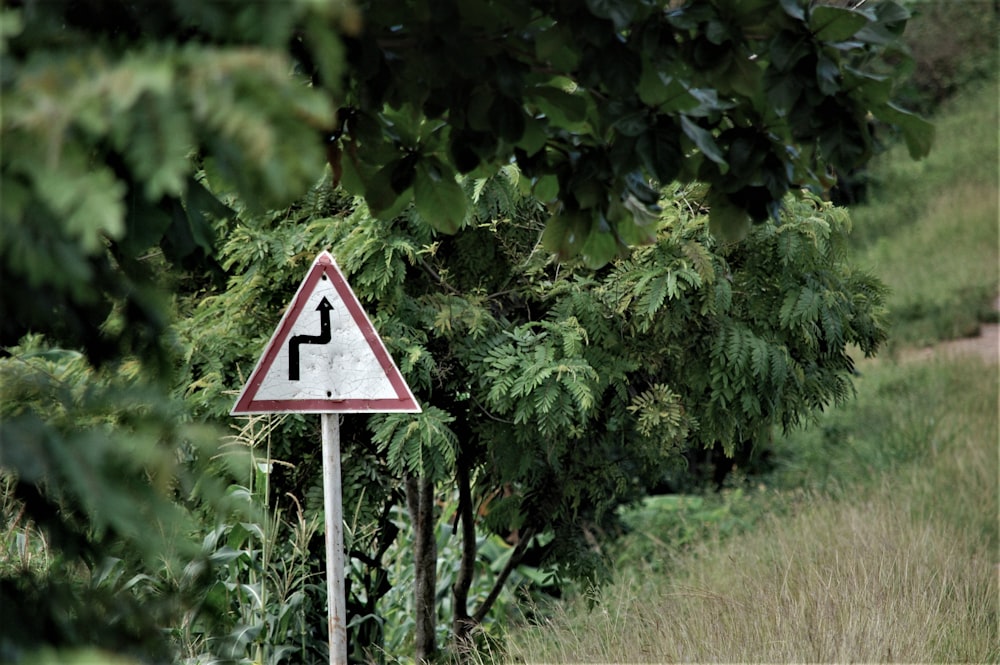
(106, 102)
(160, 162)
(550, 394)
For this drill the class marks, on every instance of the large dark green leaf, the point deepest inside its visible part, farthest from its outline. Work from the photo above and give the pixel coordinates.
(917, 132)
(660, 153)
(827, 75)
(704, 140)
(384, 201)
(600, 248)
(787, 48)
(566, 233)
(555, 46)
(794, 8)
(727, 221)
(439, 198)
(563, 109)
(835, 24)
(620, 13)
(874, 90)
(666, 92)
(546, 188)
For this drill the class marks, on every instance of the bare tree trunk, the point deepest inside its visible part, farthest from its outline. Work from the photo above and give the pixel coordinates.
(420, 504)
(462, 623)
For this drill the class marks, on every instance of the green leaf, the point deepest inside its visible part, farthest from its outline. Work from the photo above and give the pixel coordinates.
(90, 203)
(704, 140)
(787, 48)
(634, 224)
(439, 198)
(383, 201)
(872, 89)
(668, 93)
(560, 107)
(477, 113)
(352, 178)
(749, 12)
(327, 51)
(917, 132)
(827, 75)
(835, 24)
(566, 233)
(546, 188)
(507, 119)
(600, 247)
(534, 137)
(555, 46)
(145, 225)
(744, 76)
(660, 153)
(890, 22)
(632, 123)
(794, 8)
(620, 13)
(726, 221)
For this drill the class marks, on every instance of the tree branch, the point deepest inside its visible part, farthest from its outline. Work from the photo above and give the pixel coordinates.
(515, 559)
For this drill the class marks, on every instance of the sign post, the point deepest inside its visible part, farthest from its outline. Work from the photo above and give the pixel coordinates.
(335, 592)
(325, 357)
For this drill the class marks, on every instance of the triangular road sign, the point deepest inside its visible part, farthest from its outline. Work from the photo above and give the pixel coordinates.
(325, 356)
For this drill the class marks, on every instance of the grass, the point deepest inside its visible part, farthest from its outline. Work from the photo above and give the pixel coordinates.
(832, 585)
(876, 537)
(895, 561)
(931, 231)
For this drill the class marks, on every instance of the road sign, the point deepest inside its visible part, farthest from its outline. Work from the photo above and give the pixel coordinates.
(325, 356)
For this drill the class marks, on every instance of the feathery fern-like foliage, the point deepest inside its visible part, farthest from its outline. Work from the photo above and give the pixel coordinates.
(567, 391)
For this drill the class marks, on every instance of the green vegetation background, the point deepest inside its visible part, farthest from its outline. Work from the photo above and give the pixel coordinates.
(875, 538)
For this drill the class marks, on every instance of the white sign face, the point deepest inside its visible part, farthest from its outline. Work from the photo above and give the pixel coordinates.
(325, 356)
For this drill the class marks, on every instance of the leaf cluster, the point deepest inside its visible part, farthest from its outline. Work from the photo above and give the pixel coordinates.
(116, 481)
(575, 389)
(109, 109)
(594, 102)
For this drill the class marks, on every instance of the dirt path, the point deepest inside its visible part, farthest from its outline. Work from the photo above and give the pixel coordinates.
(986, 345)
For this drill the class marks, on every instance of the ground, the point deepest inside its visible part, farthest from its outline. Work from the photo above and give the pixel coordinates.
(986, 344)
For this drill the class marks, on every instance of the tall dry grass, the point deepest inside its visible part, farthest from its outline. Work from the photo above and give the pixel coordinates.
(902, 569)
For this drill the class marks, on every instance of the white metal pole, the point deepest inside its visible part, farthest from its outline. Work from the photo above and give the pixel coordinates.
(332, 503)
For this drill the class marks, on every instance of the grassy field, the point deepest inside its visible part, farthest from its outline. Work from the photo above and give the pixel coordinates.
(930, 230)
(876, 538)
(886, 550)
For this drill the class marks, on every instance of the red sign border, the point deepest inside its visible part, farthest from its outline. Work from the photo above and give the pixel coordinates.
(247, 402)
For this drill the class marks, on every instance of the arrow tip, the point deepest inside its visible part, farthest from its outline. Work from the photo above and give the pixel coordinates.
(324, 305)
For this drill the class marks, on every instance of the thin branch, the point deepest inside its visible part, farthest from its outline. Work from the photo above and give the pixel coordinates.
(490, 415)
(515, 560)
(434, 273)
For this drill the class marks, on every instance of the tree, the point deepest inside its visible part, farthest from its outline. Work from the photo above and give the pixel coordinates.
(104, 103)
(753, 98)
(109, 111)
(133, 135)
(551, 393)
